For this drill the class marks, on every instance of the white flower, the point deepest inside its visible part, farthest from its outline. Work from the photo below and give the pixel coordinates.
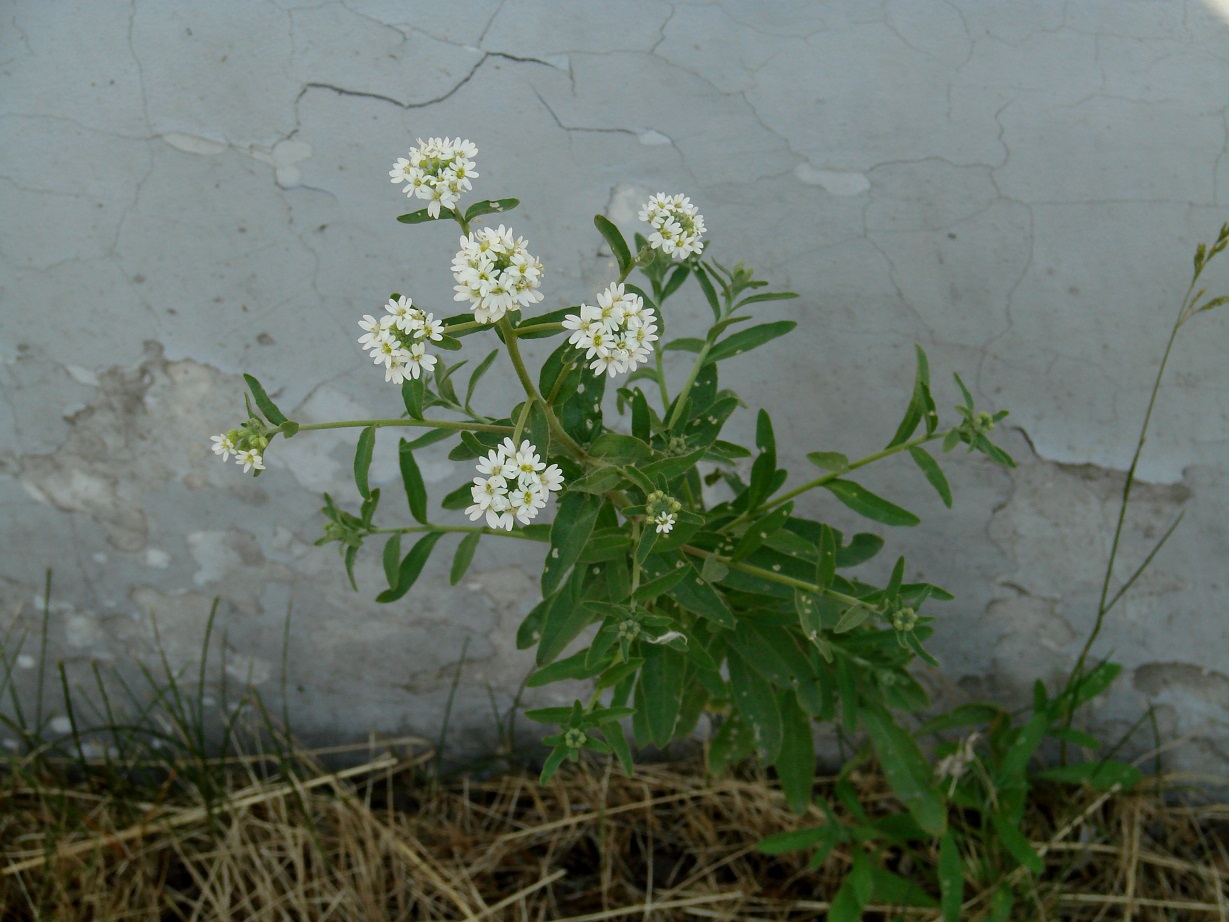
(551, 479)
(514, 484)
(250, 458)
(224, 445)
(398, 339)
(664, 522)
(418, 361)
(677, 225)
(524, 502)
(495, 273)
(617, 334)
(438, 170)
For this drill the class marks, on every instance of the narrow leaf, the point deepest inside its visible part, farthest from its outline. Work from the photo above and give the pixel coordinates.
(267, 406)
(465, 554)
(933, 473)
(411, 477)
(866, 503)
(411, 567)
(362, 459)
(746, 340)
(829, 461)
(618, 245)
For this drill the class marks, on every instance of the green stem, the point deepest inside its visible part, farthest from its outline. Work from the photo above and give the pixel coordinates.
(1078, 672)
(681, 400)
(752, 570)
(457, 529)
(467, 326)
(825, 478)
(661, 376)
(539, 328)
(424, 423)
(518, 363)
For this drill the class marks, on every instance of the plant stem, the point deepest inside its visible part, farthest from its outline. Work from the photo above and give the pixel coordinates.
(1077, 673)
(424, 423)
(457, 529)
(539, 328)
(681, 399)
(772, 576)
(518, 363)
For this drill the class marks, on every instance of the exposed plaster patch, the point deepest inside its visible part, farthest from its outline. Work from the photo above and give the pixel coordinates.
(25, 661)
(193, 144)
(249, 669)
(156, 558)
(651, 138)
(834, 182)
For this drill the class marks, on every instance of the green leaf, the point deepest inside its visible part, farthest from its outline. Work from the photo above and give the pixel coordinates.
(951, 877)
(267, 406)
(552, 763)
(597, 481)
(854, 893)
(537, 429)
(933, 473)
(709, 292)
(660, 690)
(757, 705)
(746, 340)
(423, 215)
(854, 616)
(430, 437)
(829, 461)
(677, 278)
(825, 569)
(362, 459)
(1015, 762)
(921, 405)
(793, 840)
(618, 448)
(613, 734)
(571, 529)
(695, 595)
(669, 468)
(895, 890)
(618, 245)
(1094, 683)
(489, 206)
(562, 621)
(477, 375)
(1017, 845)
(415, 490)
(866, 503)
(733, 742)
(795, 762)
(465, 554)
(907, 770)
(392, 560)
(1101, 775)
(413, 391)
(411, 567)
(963, 716)
(574, 667)
(766, 296)
(684, 344)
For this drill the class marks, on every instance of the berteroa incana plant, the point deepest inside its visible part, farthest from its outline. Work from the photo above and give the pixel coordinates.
(742, 608)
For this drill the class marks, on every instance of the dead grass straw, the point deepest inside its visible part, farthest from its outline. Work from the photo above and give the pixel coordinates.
(385, 841)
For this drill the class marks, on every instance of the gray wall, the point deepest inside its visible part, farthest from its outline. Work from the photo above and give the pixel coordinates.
(194, 190)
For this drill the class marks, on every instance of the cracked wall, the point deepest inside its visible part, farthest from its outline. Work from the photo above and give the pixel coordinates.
(191, 191)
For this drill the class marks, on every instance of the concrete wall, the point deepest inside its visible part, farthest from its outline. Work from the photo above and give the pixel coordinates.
(194, 190)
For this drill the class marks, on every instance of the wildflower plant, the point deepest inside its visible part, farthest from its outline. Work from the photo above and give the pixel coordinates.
(672, 604)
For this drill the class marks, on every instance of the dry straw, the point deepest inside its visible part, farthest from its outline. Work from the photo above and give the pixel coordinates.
(383, 840)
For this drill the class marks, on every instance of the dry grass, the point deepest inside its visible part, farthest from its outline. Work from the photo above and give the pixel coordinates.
(384, 841)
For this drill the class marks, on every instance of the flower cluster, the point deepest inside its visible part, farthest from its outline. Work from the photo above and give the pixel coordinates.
(437, 170)
(247, 444)
(495, 273)
(662, 510)
(398, 339)
(615, 335)
(677, 225)
(514, 484)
